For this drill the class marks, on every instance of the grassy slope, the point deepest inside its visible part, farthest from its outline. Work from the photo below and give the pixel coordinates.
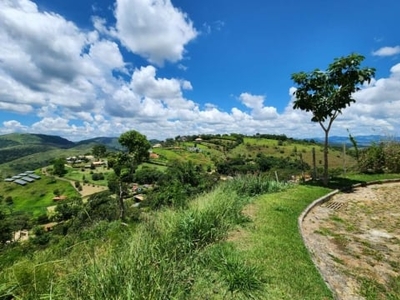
(20, 152)
(37, 160)
(77, 174)
(250, 148)
(293, 149)
(35, 197)
(273, 240)
(183, 255)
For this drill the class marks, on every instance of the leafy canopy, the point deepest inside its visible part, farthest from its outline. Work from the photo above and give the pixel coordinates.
(327, 93)
(137, 145)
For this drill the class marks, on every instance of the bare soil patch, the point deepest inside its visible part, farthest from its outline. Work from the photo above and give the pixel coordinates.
(354, 239)
(90, 189)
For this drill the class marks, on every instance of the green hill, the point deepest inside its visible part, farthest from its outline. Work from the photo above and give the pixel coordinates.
(110, 142)
(17, 145)
(18, 139)
(23, 151)
(242, 154)
(19, 152)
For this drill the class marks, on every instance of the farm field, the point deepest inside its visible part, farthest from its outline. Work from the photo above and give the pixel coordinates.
(77, 174)
(35, 197)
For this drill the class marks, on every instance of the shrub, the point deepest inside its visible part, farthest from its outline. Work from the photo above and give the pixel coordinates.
(97, 176)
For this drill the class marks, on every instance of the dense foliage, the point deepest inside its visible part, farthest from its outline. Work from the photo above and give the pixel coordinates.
(381, 157)
(179, 182)
(262, 163)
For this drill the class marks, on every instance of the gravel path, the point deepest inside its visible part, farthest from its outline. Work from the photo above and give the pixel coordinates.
(354, 239)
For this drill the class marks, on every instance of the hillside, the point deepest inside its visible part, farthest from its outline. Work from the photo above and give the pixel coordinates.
(240, 154)
(19, 152)
(18, 139)
(16, 145)
(109, 142)
(22, 151)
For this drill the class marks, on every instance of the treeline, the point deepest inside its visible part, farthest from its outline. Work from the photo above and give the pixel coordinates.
(262, 163)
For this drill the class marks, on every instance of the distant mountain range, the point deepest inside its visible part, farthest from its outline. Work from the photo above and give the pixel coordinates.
(362, 140)
(19, 151)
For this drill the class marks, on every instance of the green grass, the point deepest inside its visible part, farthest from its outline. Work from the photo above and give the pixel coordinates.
(274, 241)
(172, 254)
(152, 166)
(77, 174)
(212, 250)
(35, 197)
(170, 155)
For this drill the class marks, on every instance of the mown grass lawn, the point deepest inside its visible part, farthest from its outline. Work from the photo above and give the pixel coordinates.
(273, 240)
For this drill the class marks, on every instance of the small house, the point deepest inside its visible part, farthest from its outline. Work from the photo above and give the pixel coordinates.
(59, 198)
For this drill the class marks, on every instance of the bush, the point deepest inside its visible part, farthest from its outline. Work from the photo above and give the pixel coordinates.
(97, 176)
(147, 175)
(42, 219)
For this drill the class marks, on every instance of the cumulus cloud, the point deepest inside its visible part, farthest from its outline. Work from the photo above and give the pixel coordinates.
(13, 126)
(154, 29)
(387, 51)
(43, 60)
(79, 85)
(145, 83)
(256, 104)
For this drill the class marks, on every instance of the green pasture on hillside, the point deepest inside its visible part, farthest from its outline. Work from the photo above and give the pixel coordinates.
(36, 196)
(253, 146)
(182, 154)
(78, 174)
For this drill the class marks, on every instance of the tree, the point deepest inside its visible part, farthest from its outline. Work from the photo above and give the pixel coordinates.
(137, 145)
(125, 164)
(59, 167)
(5, 228)
(327, 93)
(99, 150)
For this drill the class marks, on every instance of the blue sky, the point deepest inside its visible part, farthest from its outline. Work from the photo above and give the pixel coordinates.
(81, 69)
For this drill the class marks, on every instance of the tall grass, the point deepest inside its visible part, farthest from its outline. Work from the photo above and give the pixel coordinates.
(171, 255)
(253, 185)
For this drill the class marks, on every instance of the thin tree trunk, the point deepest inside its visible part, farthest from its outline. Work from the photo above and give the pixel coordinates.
(121, 203)
(326, 176)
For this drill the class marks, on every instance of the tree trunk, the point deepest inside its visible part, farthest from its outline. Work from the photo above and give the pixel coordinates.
(326, 176)
(121, 203)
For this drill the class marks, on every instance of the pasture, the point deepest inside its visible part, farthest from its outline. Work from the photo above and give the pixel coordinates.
(35, 197)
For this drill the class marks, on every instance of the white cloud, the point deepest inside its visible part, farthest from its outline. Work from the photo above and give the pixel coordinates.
(145, 83)
(66, 77)
(13, 126)
(256, 104)
(387, 51)
(154, 29)
(46, 60)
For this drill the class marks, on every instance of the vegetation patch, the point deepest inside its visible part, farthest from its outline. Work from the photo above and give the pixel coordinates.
(35, 197)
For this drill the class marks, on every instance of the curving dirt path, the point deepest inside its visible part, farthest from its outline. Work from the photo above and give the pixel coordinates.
(354, 239)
